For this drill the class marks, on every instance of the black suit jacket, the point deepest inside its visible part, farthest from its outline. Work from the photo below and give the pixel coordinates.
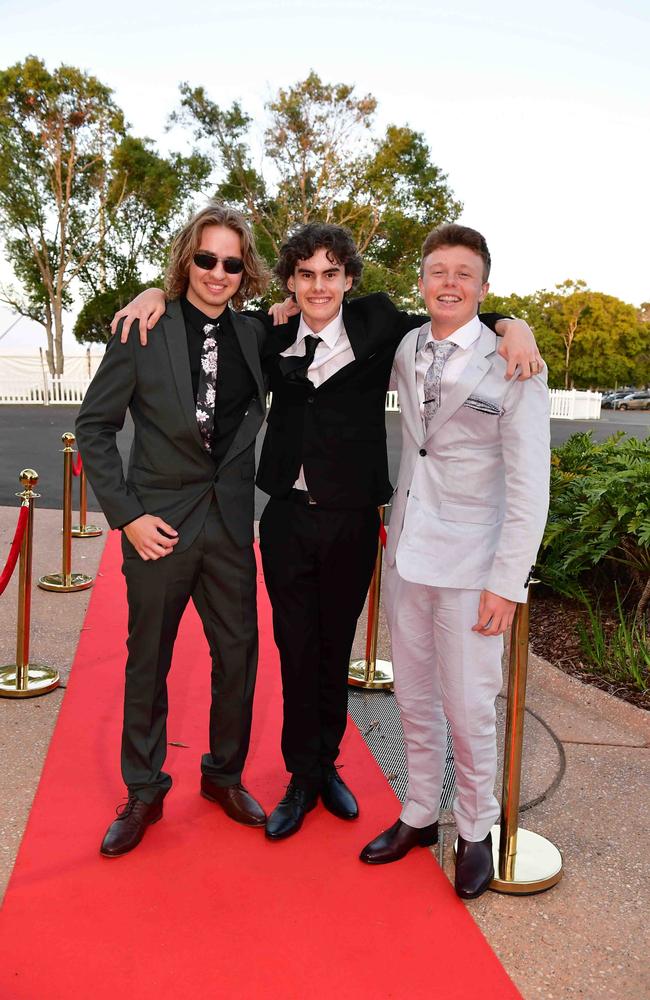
(169, 471)
(337, 431)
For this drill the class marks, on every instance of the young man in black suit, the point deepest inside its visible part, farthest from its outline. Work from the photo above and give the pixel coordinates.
(325, 467)
(185, 508)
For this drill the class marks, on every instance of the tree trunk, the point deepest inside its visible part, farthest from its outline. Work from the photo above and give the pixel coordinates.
(58, 339)
(49, 352)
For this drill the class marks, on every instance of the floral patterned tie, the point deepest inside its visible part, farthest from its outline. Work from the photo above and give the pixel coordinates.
(207, 391)
(441, 350)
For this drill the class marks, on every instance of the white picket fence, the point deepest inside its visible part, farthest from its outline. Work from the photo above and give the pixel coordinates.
(575, 404)
(50, 390)
(572, 404)
(566, 404)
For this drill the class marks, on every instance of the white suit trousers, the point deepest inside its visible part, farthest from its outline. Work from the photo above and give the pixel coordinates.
(442, 668)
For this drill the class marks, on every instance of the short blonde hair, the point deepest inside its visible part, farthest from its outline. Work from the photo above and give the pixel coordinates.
(256, 274)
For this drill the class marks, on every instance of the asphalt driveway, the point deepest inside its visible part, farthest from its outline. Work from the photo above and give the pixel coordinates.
(30, 436)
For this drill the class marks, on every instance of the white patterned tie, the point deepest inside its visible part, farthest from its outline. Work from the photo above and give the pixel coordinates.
(441, 350)
(207, 389)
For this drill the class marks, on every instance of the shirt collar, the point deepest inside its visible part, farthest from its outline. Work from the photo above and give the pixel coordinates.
(198, 319)
(329, 334)
(464, 336)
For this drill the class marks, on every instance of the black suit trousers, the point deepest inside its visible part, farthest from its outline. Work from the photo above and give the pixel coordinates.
(220, 578)
(318, 565)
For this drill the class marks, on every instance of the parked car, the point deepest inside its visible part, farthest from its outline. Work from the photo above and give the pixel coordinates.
(635, 401)
(609, 398)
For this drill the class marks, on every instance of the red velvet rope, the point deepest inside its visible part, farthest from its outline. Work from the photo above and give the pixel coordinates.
(383, 537)
(77, 465)
(10, 565)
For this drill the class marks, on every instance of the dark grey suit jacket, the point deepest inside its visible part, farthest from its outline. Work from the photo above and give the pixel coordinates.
(169, 472)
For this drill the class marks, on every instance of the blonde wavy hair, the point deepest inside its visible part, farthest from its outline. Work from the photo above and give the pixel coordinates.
(255, 277)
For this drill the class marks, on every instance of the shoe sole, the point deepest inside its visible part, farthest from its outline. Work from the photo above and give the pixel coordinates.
(295, 829)
(235, 819)
(119, 854)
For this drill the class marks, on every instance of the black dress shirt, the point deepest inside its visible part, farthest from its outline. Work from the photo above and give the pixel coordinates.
(235, 383)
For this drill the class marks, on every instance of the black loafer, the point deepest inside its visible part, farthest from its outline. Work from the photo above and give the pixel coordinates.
(289, 813)
(336, 796)
(129, 828)
(474, 867)
(395, 842)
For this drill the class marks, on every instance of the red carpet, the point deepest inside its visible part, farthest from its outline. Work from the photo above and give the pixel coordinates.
(205, 908)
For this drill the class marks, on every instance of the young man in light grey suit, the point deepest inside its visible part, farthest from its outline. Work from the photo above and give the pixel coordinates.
(468, 517)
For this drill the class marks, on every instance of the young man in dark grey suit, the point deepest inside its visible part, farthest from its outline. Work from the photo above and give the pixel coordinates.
(186, 508)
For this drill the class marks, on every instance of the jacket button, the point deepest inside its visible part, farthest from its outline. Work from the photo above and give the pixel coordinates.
(310, 399)
(423, 451)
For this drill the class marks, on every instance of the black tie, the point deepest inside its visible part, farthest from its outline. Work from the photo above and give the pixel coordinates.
(296, 368)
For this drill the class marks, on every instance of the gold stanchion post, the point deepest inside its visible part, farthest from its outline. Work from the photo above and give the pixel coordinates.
(372, 673)
(524, 862)
(83, 530)
(66, 581)
(23, 679)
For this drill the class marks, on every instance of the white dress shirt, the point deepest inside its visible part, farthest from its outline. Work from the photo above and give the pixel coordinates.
(333, 353)
(465, 338)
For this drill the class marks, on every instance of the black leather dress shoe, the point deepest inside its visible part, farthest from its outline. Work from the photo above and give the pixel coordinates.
(336, 796)
(235, 801)
(474, 867)
(129, 828)
(289, 813)
(395, 842)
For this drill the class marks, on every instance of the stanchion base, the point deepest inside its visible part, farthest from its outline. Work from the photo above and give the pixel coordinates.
(65, 585)
(538, 864)
(40, 680)
(85, 531)
(358, 675)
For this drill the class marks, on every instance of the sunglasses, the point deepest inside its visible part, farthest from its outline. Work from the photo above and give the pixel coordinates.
(206, 261)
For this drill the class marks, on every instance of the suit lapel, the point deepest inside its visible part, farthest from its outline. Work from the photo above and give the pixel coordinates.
(250, 349)
(176, 339)
(467, 382)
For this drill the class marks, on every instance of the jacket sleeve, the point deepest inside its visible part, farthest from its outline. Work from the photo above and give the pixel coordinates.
(101, 416)
(525, 446)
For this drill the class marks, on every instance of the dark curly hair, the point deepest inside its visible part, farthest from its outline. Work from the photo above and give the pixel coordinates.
(305, 241)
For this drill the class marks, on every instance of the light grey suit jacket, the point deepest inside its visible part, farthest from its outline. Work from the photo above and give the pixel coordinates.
(472, 495)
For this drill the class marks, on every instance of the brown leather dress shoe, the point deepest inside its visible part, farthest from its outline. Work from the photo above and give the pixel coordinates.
(129, 828)
(395, 842)
(235, 801)
(474, 867)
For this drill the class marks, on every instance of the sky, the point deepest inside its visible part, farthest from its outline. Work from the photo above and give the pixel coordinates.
(538, 113)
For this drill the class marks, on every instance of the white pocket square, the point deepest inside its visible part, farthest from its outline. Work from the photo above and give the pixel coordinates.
(484, 405)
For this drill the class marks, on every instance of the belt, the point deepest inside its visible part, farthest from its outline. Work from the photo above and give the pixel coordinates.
(303, 497)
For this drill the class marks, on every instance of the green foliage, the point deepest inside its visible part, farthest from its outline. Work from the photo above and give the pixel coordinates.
(599, 520)
(323, 162)
(94, 319)
(621, 655)
(587, 338)
(82, 203)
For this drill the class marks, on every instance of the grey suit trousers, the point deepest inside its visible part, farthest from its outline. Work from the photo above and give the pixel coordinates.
(220, 578)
